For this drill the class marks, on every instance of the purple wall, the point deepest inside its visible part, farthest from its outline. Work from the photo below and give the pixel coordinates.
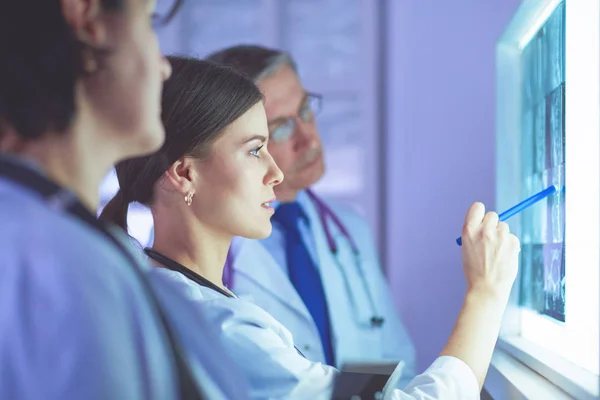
(440, 144)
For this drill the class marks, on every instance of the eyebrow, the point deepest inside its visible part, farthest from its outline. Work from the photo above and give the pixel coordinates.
(283, 119)
(262, 138)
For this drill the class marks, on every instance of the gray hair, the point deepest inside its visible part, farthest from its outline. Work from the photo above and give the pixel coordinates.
(274, 63)
(256, 62)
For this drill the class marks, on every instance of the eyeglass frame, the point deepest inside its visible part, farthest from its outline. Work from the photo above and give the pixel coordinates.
(315, 104)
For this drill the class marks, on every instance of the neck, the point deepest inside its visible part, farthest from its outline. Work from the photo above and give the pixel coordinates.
(179, 236)
(70, 160)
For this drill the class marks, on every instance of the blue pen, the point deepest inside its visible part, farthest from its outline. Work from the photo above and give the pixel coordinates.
(522, 205)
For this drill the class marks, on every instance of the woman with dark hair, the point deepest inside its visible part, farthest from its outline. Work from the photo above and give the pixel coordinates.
(213, 179)
(80, 87)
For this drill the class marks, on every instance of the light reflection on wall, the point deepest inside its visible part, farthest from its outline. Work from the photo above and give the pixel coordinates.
(139, 218)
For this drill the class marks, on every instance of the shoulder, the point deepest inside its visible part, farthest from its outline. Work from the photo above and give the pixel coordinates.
(74, 291)
(224, 312)
(347, 214)
(49, 254)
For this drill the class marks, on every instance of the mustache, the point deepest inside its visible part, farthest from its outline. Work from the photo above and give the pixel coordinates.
(307, 158)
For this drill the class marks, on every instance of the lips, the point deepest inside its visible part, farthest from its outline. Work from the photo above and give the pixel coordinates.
(269, 203)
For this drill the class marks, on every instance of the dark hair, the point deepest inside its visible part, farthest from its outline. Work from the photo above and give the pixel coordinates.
(40, 62)
(199, 101)
(254, 61)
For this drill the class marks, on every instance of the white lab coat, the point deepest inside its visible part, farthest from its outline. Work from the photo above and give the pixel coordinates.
(76, 323)
(263, 348)
(258, 278)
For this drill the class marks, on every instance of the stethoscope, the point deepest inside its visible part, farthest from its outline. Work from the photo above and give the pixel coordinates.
(185, 271)
(173, 265)
(62, 200)
(326, 213)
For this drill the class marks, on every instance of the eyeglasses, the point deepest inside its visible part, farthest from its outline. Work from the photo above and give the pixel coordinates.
(311, 106)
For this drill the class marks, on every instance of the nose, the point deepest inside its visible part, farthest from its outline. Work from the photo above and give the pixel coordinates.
(166, 69)
(306, 134)
(274, 174)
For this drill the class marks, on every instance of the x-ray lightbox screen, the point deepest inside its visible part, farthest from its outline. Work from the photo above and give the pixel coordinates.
(542, 163)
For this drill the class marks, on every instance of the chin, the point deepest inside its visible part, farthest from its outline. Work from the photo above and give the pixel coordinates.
(258, 234)
(313, 174)
(153, 138)
(148, 141)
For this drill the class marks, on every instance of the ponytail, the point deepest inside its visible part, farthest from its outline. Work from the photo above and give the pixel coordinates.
(115, 211)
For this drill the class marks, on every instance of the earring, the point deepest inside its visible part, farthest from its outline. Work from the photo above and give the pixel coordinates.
(188, 198)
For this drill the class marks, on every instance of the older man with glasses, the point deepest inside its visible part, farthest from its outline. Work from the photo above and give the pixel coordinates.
(318, 273)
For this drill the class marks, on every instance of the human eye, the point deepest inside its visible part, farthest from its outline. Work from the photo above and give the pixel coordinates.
(283, 132)
(306, 112)
(255, 152)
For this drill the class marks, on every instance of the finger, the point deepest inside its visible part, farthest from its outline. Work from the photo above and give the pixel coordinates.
(490, 221)
(474, 217)
(515, 242)
(503, 228)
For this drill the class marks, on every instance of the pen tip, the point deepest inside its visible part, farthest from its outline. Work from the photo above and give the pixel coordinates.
(558, 188)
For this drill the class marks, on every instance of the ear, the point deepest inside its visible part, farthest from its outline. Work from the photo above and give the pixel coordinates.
(85, 17)
(9, 140)
(182, 175)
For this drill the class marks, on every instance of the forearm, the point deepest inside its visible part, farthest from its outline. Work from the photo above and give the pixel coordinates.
(476, 332)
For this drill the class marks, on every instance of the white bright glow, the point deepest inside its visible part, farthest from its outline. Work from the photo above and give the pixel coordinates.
(538, 22)
(140, 224)
(139, 217)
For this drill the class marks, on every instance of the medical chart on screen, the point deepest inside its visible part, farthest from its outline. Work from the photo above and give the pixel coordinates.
(543, 164)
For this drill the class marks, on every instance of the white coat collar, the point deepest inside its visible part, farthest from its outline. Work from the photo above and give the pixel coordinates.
(255, 262)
